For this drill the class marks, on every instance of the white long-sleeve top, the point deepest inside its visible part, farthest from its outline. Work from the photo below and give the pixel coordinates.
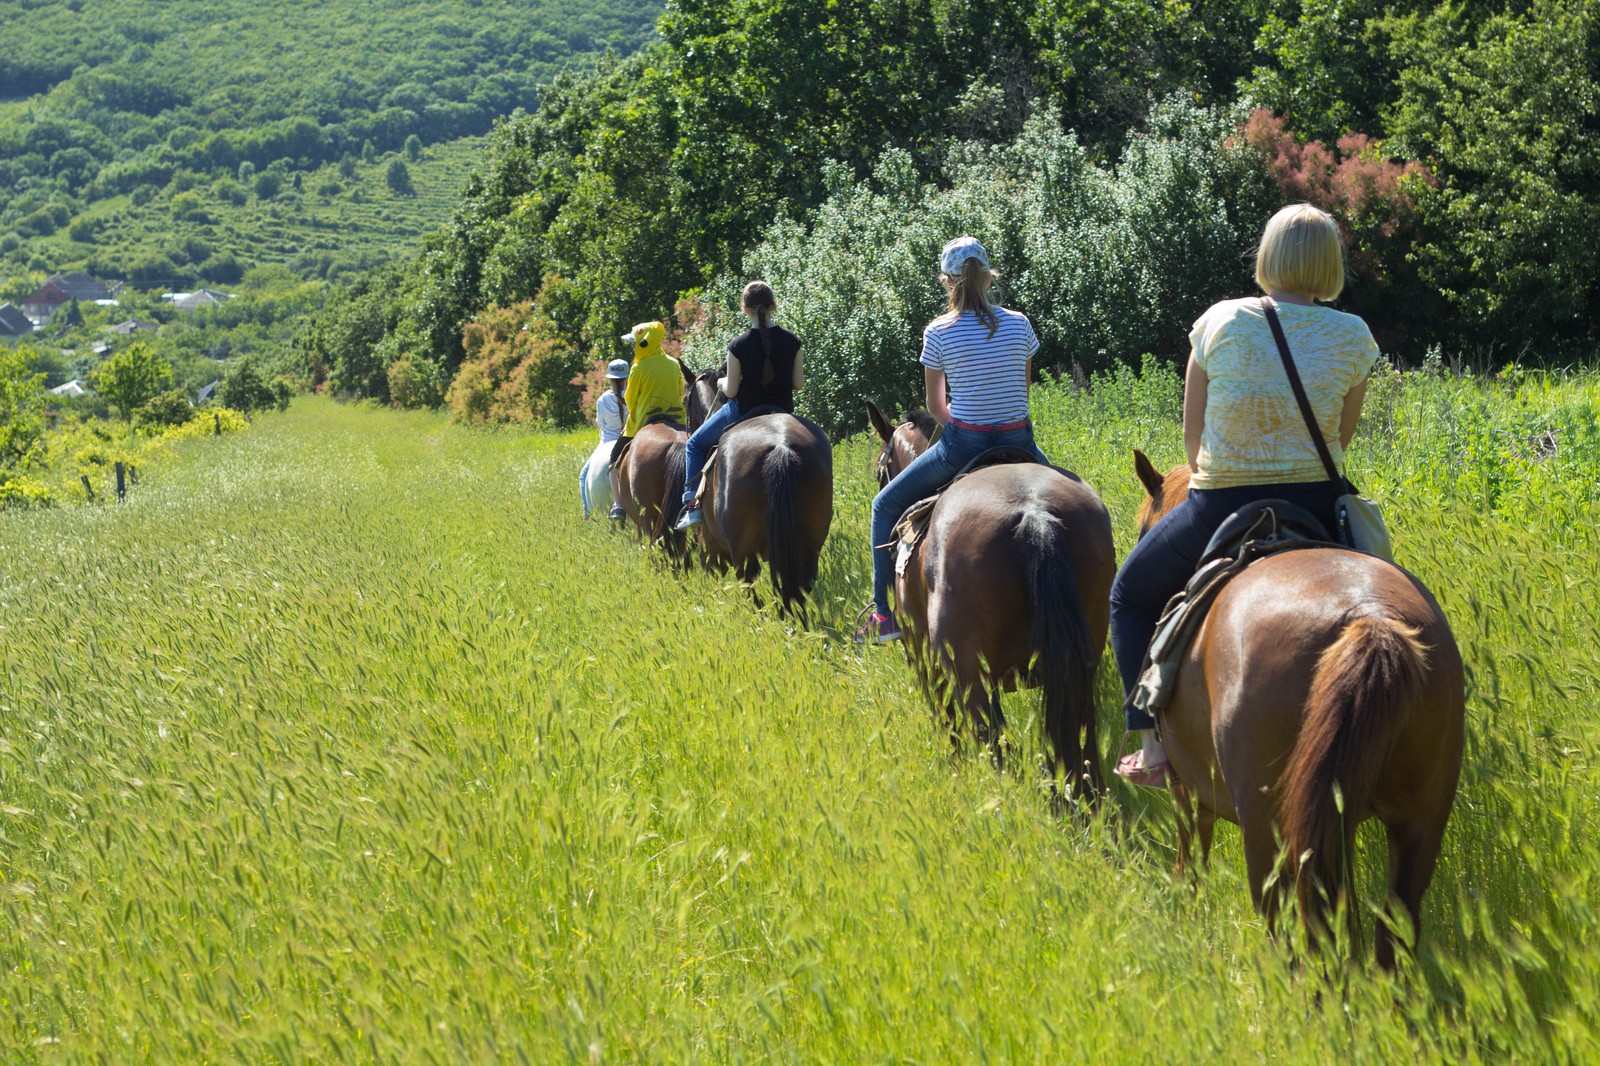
(608, 416)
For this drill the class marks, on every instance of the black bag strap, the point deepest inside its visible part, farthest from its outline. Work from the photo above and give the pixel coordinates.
(1300, 394)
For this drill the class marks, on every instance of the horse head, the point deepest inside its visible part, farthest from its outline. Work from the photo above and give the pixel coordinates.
(901, 443)
(700, 393)
(1162, 494)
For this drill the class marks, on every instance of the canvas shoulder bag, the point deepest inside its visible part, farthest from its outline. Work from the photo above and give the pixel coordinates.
(1360, 522)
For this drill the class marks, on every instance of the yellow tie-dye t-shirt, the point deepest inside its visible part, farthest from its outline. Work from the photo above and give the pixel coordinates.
(1254, 432)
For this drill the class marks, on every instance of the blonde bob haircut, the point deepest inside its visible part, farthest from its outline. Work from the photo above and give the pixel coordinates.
(1300, 252)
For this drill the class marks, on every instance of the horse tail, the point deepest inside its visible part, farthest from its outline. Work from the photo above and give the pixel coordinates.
(785, 559)
(1362, 692)
(1059, 642)
(672, 499)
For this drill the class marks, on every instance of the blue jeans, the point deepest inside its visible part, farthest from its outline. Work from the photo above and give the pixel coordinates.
(700, 442)
(931, 470)
(1164, 560)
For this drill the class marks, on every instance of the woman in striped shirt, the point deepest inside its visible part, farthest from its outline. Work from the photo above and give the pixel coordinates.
(976, 366)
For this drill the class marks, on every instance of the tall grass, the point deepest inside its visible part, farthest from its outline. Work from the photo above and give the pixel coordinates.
(344, 739)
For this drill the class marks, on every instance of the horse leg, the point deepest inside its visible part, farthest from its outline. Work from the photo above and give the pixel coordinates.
(1413, 852)
(1206, 824)
(1260, 860)
(1183, 809)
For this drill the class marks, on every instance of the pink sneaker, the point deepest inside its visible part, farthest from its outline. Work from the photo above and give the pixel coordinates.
(879, 628)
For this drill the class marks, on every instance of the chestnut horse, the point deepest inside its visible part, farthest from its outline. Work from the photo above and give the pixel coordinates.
(649, 480)
(1323, 688)
(768, 494)
(1011, 584)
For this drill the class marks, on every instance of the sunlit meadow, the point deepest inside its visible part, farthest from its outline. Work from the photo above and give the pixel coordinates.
(344, 739)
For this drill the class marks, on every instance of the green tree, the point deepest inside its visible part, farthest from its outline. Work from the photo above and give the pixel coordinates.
(268, 184)
(413, 147)
(169, 408)
(133, 377)
(22, 420)
(399, 178)
(1508, 110)
(243, 389)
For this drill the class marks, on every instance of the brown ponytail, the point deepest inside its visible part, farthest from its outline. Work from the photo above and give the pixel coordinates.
(758, 297)
(969, 291)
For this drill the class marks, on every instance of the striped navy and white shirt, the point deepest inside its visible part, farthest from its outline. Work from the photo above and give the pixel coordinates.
(987, 375)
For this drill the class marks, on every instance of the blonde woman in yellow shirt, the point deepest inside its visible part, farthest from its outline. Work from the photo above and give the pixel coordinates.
(1244, 434)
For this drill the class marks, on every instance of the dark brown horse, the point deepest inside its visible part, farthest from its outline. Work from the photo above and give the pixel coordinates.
(768, 494)
(1323, 688)
(649, 480)
(1011, 584)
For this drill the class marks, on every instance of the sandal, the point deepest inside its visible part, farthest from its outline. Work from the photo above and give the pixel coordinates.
(1131, 768)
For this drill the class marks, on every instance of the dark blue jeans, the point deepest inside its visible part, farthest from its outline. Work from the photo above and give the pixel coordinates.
(1164, 559)
(700, 442)
(934, 468)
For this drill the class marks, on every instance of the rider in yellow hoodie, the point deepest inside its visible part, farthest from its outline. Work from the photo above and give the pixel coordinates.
(655, 386)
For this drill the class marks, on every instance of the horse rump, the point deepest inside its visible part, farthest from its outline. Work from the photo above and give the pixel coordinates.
(1364, 689)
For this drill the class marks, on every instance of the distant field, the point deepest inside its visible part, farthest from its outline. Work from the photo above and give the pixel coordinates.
(345, 739)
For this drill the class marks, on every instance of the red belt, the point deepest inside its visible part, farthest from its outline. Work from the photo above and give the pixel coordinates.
(1001, 427)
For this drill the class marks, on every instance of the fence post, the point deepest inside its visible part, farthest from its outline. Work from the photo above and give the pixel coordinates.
(86, 486)
(216, 420)
(122, 482)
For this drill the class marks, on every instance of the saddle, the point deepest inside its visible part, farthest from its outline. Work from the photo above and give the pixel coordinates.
(1264, 528)
(624, 443)
(912, 525)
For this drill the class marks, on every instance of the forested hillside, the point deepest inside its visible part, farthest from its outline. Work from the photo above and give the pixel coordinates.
(181, 144)
(1121, 156)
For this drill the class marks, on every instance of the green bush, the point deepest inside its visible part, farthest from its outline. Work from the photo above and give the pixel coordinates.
(169, 408)
(1109, 262)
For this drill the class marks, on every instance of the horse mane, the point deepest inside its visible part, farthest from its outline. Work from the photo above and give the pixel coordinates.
(925, 423)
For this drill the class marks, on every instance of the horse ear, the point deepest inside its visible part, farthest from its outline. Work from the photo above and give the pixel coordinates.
(688, 375)
(879, 423)
(1148, 475)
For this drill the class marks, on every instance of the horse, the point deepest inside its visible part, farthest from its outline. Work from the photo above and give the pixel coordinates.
(648, 481)
(1323, 688)
(1010, 585)
(768, 494)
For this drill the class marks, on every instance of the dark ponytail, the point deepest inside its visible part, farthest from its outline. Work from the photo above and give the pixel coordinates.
(758, 297)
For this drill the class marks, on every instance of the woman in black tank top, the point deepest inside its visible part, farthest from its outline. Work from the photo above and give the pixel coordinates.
(765, 368)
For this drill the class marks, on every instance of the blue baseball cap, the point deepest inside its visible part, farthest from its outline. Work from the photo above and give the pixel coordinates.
(617, 369)
(955, 255)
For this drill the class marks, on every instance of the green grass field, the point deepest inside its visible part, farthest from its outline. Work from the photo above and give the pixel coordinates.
(345, 740)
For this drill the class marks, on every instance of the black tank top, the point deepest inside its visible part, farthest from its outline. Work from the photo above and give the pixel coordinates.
(764, 380)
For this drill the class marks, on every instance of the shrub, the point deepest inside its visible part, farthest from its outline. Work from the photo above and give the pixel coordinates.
(1373, 197)
(231, 192)
(399, 178)
(514, 371)
(1108, 262)
(18, 492)
(188, 207)
(414, 382)
(243, 389)
(169, 408)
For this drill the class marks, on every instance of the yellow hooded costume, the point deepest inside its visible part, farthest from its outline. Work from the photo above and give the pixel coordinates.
(655, 384)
